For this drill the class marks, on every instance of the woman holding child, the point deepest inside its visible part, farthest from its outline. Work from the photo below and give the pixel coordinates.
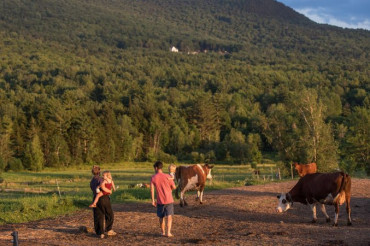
(101, 206)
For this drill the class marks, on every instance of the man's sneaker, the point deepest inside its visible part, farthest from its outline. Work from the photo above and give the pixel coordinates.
(111, 233)
(102, 236)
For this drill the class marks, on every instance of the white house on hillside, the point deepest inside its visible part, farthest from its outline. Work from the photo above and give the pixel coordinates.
(174, 49)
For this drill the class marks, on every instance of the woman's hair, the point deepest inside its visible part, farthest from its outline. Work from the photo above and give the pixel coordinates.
(95, 170)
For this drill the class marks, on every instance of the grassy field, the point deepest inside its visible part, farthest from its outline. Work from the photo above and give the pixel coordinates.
(28, 196)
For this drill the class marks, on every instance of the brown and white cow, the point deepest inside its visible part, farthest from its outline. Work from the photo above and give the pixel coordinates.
(304, 169)
(320, 188)
(192, 178)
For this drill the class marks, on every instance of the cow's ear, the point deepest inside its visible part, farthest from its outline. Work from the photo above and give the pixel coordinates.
(210, 166)
(278, 196)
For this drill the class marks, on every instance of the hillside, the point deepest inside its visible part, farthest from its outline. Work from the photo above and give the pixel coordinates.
(94, 81)
(190, 25)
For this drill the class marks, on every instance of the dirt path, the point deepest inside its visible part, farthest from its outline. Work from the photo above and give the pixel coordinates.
(239, 216)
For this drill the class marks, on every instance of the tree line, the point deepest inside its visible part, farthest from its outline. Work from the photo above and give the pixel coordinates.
(57, 109)
(86, 82)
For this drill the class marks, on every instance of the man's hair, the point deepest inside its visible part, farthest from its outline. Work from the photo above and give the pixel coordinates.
(158, 165)
(95, 170)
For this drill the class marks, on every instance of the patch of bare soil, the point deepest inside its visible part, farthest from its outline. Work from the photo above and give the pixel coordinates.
(239, 216)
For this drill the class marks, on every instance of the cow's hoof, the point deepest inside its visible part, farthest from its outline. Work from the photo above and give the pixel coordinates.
(185, 204)
(313, 221)
(349, 223)
(200, 202)
(327, 220)
(181, 204)
(335, 224)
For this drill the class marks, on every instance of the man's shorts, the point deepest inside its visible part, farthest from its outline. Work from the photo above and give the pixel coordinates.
(164, 210)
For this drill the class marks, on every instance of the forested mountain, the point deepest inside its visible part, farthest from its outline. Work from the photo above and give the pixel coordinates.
(90, 81)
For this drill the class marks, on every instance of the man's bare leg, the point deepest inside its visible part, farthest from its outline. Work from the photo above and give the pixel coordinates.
(169, 226)
(162, 224)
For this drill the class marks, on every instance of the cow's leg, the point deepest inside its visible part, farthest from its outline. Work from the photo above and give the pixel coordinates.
(201, 189)
(198, 195)
(177, 189)
(201, 196)
(182, 194)
(336, 214)
(184, 203)
(313, 207)
(323, 210)
(348, 208)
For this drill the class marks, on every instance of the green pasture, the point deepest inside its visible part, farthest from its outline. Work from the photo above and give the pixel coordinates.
(28, 196)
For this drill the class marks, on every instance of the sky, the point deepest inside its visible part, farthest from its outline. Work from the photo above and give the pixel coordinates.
(342, 13)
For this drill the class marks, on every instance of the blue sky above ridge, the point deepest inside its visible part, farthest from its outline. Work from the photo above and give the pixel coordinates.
(343, 13)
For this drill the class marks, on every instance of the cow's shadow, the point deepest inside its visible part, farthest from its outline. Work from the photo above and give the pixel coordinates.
(298, 214)
(214, 206)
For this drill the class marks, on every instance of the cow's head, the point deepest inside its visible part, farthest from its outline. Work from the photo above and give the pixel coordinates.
(296, 166)
(285, 202)
(208, 170)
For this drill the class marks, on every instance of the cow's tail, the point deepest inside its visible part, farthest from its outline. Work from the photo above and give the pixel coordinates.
(341, 196)
(178, 180)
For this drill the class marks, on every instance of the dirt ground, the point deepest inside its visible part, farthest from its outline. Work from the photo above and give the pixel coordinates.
(238, 216)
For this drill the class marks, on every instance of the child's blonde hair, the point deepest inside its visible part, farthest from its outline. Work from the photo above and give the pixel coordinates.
(171, 166)
(107, 172)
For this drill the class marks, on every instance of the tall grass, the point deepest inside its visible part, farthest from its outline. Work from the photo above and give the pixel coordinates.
(29, 196)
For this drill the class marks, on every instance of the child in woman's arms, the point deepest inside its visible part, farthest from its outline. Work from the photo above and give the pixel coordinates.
(107, 184)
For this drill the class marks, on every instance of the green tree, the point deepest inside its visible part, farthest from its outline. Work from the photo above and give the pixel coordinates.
(6, 127)
(316, 136)
(357, 141)
(59, 155)
(280, 130)
(236, 145)
(33, 156)
(254, 142)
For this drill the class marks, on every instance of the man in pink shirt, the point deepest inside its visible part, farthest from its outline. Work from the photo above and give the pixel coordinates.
(163, 184)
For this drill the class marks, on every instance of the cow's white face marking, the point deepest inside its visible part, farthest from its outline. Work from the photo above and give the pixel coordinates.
(192, 182)
(209, 175)
(284, 204)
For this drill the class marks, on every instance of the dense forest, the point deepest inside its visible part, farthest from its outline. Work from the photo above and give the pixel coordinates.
(92, 81)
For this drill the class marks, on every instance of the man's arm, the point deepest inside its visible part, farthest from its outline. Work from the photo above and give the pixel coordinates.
(113, 186)
(152, 194)
(172, 184)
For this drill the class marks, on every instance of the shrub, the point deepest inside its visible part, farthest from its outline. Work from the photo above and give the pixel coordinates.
(2, 165)
(15, 165)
